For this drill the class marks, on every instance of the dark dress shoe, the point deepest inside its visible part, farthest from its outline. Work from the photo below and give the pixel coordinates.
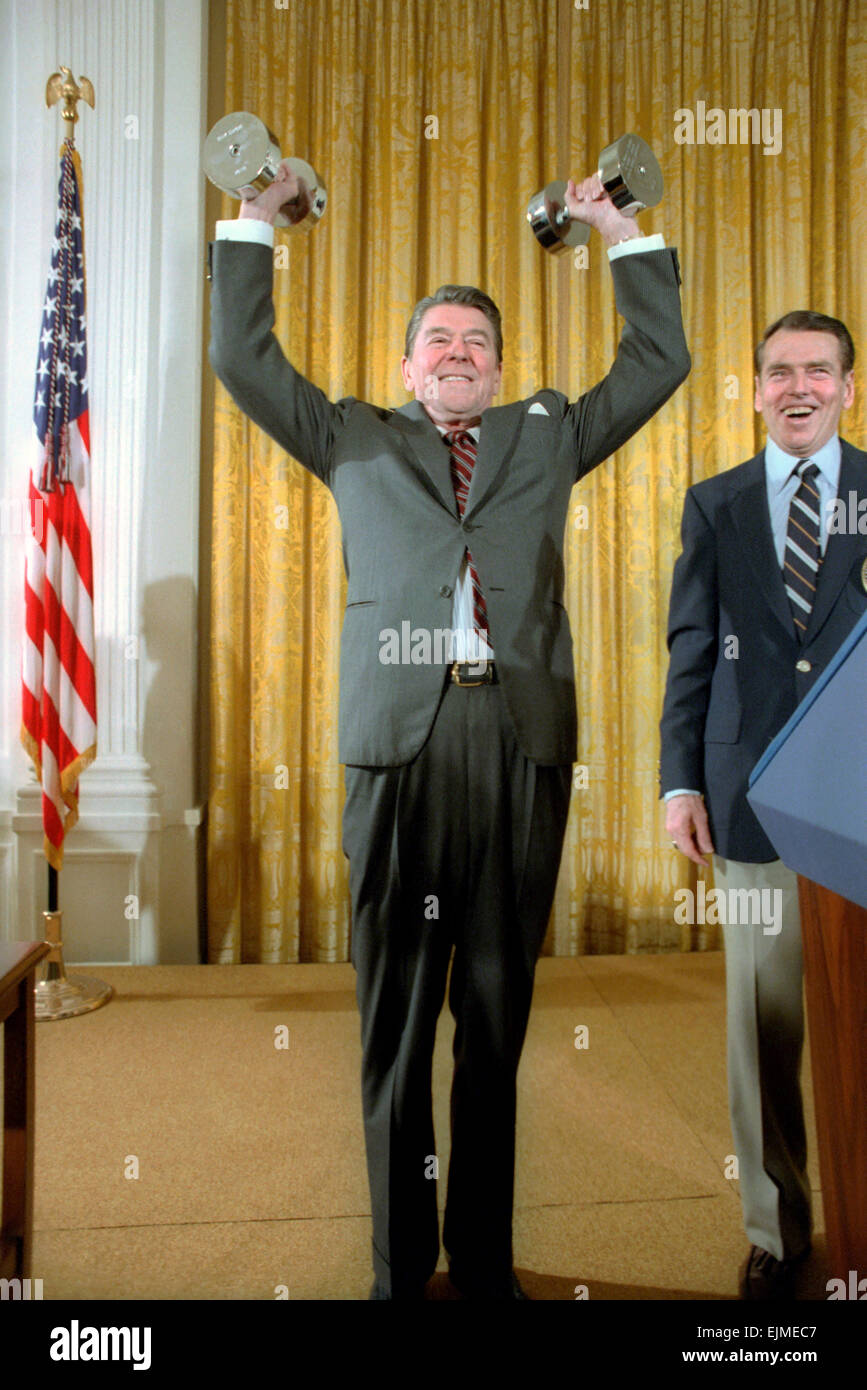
(764, 1279)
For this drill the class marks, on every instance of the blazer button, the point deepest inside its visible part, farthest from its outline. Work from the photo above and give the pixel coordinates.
(445, 591)
(804, 666)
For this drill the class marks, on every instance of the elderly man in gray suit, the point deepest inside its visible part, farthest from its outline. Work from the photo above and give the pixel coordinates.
(458, 772)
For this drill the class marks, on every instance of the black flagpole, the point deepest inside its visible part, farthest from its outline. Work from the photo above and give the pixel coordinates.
(58, 996)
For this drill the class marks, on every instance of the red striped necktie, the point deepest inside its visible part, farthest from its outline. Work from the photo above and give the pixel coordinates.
(462, 448)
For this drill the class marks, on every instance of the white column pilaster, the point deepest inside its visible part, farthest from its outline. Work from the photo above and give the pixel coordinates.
(129, 884)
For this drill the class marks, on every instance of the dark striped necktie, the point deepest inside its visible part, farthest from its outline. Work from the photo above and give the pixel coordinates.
(803, 547)
(462, 448)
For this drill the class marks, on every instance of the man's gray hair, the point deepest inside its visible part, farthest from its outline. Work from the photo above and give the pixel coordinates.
(456, 294)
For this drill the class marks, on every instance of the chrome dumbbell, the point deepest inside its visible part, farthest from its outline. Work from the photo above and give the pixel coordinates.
(242, 156)
(631, 177)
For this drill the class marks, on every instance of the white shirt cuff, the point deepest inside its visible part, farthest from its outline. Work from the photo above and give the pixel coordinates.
(654, 242)
(245, 229)
(681, 791)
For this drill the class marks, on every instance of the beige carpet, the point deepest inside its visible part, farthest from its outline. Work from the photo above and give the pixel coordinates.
(250, 1159)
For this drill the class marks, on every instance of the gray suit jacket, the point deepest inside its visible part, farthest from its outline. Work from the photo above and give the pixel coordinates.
(403, 540)
(723, 705)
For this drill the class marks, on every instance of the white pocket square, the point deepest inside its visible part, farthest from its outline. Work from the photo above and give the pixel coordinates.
(537, 409)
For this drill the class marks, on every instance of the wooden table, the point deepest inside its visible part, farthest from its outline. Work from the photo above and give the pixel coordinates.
(18, 961)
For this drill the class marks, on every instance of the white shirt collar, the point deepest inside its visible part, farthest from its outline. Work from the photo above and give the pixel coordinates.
(779, 465)
(474, 430)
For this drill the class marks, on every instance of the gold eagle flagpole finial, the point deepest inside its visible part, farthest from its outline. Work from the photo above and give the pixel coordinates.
(63, 84)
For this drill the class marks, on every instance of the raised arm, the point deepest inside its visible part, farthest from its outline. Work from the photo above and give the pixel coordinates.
(652, 357)
(244, 352)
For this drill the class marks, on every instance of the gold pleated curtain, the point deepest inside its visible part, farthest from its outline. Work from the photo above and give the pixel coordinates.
(431, 125)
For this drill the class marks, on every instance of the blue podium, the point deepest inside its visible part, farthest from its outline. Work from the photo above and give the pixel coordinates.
(810, 789)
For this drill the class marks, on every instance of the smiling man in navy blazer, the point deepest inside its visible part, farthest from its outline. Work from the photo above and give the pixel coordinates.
(748, 638)
(458, 772)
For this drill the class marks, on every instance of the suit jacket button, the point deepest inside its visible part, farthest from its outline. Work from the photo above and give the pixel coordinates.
(804, 666)
(446, 590)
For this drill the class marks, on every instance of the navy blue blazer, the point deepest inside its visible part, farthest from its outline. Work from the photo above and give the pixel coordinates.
(726, 699)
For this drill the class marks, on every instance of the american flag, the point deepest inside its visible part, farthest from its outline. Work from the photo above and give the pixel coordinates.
(59, 682)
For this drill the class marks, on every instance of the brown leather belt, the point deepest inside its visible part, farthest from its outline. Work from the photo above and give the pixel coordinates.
(468, 673)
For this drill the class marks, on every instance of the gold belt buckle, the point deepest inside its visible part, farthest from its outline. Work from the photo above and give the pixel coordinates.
(456, 674)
